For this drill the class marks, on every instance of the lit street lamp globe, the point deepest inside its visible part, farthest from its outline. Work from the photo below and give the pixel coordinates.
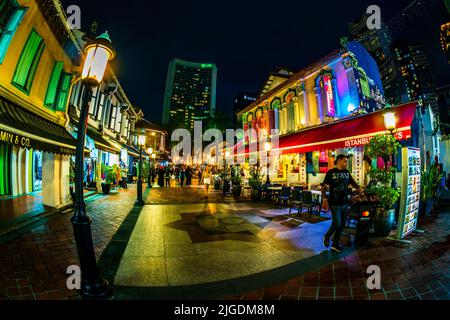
(98, 54)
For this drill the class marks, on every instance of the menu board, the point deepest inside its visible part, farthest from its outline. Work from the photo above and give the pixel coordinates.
(409, 206)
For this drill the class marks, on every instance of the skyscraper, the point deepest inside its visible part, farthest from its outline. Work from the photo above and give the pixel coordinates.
(414, 68)
(445, 39)
(377, 43)
(190, 93)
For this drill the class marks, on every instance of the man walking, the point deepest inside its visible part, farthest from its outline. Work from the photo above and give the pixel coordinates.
(337, 179)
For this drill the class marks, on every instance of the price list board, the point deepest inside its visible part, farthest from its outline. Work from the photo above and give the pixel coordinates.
(409, 206)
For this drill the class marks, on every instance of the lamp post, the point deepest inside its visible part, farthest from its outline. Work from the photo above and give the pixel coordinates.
(141, 142)
(149, 185)
(267, 147)
(390, 123)
(93, 287)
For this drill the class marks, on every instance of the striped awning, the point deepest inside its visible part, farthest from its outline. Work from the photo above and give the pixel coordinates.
(25, 129)
(101, 142)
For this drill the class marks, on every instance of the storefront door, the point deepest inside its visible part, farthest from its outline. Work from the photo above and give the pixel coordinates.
(37, 171)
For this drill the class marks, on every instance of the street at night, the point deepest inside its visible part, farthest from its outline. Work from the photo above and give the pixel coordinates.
(217, 159)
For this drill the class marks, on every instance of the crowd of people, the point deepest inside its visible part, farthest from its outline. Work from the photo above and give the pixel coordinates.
(183, 175)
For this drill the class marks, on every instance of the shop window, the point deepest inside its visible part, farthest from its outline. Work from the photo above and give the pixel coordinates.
(37, 171)
(10, 18)
(28, 62)
(58, 88)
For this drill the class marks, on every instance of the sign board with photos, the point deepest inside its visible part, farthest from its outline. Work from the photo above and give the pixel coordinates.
(409, 205)
(358, 165)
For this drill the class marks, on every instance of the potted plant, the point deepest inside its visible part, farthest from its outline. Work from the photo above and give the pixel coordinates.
(385, 147)
(223, 175)
(430, 183)
(255, 183)
(110, 179)
(236, 182)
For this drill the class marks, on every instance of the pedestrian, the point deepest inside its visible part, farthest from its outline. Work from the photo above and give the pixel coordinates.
(200, 176)
(337, 180)
(182, 176)
(188, 176)
(206, 180)
(167, 177)
(161, 173)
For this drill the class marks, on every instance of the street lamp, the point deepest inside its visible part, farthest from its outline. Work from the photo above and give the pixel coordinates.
(98, 53)
(267, 147)
(141, 142)
(149, 185)
(390, 123)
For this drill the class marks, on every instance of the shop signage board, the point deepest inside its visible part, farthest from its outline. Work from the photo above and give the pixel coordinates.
(409, 205)
(29, 143)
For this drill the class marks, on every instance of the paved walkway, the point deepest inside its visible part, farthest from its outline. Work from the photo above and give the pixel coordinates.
(217, 250)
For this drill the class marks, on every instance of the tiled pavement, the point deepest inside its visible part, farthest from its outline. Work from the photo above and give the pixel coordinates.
(33, 266)
(418, 272)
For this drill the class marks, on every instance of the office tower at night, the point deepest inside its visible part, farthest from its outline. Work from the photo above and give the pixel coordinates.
(377, 43)
(414, 68)
(242, 100)
(190, 93)
(445, 39)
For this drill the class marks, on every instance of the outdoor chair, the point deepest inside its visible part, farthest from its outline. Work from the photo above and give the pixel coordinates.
(265, 192)
(309, 203)
(296, 200)
(284, 196)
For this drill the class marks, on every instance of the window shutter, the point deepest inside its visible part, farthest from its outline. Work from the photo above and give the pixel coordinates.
(28, 61)
(64, 92)
(52, 89)
(7, 34)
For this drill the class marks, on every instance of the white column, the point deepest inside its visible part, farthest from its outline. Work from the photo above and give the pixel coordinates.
(65, 180)
(28, 175)
(21, 171)
(51, 176)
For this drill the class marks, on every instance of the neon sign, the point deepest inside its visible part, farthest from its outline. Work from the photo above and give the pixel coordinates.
(329, 95)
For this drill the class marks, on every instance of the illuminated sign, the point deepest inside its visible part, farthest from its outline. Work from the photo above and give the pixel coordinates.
(409, 204)
(206, 65)
(329, 95)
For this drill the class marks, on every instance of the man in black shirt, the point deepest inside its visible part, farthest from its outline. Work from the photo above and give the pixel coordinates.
(337, 179)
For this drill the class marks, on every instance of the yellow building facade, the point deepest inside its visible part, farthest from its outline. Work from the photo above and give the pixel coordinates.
(35, 81)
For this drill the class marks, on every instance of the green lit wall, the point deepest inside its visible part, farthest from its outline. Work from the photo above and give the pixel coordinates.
(5, 169)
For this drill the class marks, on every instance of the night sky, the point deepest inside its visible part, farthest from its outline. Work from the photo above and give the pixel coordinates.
(245, 39)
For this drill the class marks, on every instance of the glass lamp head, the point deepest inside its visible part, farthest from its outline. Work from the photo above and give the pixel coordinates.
(98, 53)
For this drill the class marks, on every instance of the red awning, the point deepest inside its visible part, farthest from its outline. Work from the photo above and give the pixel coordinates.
(347, 133)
